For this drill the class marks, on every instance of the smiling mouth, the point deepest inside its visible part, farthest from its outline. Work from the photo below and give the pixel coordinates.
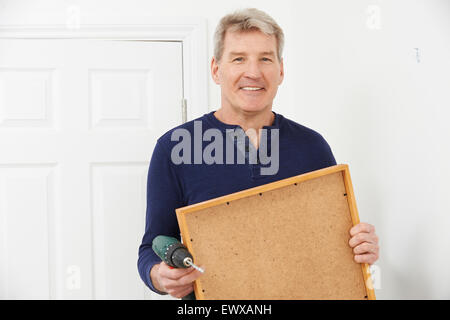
(252, 89)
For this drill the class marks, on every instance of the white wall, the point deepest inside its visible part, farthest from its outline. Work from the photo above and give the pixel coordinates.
(384, 113)
(354, 75)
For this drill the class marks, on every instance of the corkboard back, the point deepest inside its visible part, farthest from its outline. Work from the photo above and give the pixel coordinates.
(283, 240)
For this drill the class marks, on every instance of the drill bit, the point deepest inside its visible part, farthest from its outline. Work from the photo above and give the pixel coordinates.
(188, 263)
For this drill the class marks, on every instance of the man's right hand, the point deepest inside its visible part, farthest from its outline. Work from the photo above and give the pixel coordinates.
(177, 282)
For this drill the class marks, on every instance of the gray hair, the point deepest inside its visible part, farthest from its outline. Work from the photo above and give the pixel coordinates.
(245, 20)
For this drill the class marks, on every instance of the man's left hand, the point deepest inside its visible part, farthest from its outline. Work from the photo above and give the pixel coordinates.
(364, 242)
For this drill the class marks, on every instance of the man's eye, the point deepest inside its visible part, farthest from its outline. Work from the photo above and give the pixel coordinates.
(266, 59)
(238, 59)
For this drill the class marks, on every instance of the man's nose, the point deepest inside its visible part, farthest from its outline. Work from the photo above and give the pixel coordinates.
(253, 70)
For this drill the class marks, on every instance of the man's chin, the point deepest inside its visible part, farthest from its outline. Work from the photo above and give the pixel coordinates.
(253, 108)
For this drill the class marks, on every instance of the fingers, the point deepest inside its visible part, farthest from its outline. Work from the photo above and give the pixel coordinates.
(178, 282)
(362, 227)
(189, 278)
(362, 237)
(183, 286)
(369, 258)
(173, 273)
(364, 242)
(366, 247)
(180, 292)
(366, 253)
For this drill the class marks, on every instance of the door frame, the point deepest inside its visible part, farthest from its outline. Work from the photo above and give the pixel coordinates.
(191, 32)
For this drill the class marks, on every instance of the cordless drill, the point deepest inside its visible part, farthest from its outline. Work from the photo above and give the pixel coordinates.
(173, 253)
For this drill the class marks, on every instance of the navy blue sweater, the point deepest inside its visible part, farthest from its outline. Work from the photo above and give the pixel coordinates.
(171, 185)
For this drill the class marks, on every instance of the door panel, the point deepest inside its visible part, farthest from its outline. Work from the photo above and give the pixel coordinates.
(78, 123)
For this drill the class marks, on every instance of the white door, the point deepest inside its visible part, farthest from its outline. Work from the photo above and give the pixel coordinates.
(78, 122)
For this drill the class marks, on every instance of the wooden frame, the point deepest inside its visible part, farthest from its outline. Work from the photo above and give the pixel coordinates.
(231, 254)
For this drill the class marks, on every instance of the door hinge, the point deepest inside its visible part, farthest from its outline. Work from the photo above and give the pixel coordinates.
(183, 110)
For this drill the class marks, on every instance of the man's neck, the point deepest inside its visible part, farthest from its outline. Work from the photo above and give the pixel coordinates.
(247, 120)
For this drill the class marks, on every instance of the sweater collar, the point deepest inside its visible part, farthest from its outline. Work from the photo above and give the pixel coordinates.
(223, 126)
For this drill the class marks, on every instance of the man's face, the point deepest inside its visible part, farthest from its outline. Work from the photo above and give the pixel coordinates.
(249, 72)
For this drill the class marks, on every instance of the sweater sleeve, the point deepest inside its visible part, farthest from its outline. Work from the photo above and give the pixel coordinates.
(328, 154)
(163, 197)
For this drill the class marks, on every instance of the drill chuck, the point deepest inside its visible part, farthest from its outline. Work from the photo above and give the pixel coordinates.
(173, 252)
(187, 262)
(177, 255)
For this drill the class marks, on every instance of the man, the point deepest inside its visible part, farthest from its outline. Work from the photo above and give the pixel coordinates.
(248, 66)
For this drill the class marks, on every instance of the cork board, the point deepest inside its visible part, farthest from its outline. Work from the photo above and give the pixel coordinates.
(283, 240)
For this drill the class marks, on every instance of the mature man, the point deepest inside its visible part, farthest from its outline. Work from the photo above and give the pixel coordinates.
(248, 66)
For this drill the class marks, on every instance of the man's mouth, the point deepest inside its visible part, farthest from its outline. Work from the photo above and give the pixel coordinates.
(252, 88)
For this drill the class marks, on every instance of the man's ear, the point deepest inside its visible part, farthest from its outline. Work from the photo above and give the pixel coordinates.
(215, 70)
(281, 71)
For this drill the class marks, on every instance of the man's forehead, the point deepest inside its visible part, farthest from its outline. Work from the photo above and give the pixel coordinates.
(244, 42)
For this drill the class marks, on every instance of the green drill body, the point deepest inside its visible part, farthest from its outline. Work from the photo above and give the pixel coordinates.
(173, 252)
